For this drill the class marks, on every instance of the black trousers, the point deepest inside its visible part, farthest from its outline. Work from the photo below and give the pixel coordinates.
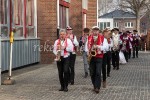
(135, 50)
(95, 71)
(126, 55)
(109, 56)
(115, 59)
(72, 67)
(63, 71)
(106, 64)
(129, 55)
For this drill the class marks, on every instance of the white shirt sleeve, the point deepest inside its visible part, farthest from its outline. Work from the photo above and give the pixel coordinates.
(55, 47)
(69, 47)
(111, 43)
(130, 45)
(75, 41)
(104, 47)
(86, 46)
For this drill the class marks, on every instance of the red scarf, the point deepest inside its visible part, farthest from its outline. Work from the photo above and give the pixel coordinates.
(99, 41)
(59, 42)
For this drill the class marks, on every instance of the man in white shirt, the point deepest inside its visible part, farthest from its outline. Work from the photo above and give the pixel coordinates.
(62, 48)
(75, 43)
(107, 56)
(95, 46)
(82, 42)
(116, 48)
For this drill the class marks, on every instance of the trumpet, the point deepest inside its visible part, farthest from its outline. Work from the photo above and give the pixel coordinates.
(58, 56)
(92, 53)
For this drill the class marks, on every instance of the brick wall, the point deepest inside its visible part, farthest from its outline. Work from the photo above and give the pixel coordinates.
(121, 23)
(75, 17)
(148, 40)
(92, 13)
(47, 25)
(145, 28)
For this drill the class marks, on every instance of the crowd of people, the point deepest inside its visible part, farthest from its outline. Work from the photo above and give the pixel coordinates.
(99, 49)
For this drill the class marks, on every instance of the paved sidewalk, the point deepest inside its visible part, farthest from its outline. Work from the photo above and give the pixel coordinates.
(40, 82)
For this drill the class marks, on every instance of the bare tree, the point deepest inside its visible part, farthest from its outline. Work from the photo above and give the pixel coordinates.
(138, 7)
(106, 6)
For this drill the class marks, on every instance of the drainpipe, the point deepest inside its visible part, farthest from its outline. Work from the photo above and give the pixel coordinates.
(0, 52)
(58, 23)
(97, 12)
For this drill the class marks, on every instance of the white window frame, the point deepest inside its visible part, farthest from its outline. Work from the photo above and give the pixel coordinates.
(103, 25)
(85, 4)
(129, 24)
(116, 25)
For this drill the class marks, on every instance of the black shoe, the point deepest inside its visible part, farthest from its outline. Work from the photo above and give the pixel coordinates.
(97, 91)
(65, 89)
(86, 74)
(108, 75)
(62, 89)
(72, 82)
(136, 56)
(114, 68)
(133, 57)
(117, 69)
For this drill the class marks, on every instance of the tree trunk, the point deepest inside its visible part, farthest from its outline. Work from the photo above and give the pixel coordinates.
(138, 23)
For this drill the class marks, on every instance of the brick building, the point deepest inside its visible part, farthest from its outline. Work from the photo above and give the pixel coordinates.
(118, 19)
(76, 13)
(37, 23)
(145, 28)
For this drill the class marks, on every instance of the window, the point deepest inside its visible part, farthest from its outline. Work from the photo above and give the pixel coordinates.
(3, 18)
(64, 16)
(17, 20)
(4, 11)
(101, 25)
(129, 25)
(30, 27)
(104, 25)
(20, 15)
(85, 4)
(67, 1)
(116, 25)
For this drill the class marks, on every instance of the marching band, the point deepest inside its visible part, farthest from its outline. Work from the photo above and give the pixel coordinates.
(99, 49)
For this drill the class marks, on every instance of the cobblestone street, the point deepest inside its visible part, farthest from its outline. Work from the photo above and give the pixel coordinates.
(40, 82)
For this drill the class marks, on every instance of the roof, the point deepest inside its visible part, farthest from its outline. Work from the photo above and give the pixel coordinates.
(118, 14)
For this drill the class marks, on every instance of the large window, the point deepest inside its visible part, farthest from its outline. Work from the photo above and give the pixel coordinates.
(63, 16)
(30, 26)
(17, 20)
(104, 25)
(129, 25)
(18, 14)
(3, 16)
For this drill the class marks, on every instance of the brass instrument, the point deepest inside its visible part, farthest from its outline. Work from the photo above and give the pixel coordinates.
(58, 56)
(92, 52)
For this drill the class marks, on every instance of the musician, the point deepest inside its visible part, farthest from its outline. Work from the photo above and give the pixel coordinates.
(130, 38)
(135, 43)
(82, 42)
(95, 46)
(116, 48)
(107, 56)
(75, 43)
(65, 46)
(125, 45)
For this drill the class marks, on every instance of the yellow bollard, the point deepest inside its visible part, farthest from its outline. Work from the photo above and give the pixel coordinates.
(9, 80)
